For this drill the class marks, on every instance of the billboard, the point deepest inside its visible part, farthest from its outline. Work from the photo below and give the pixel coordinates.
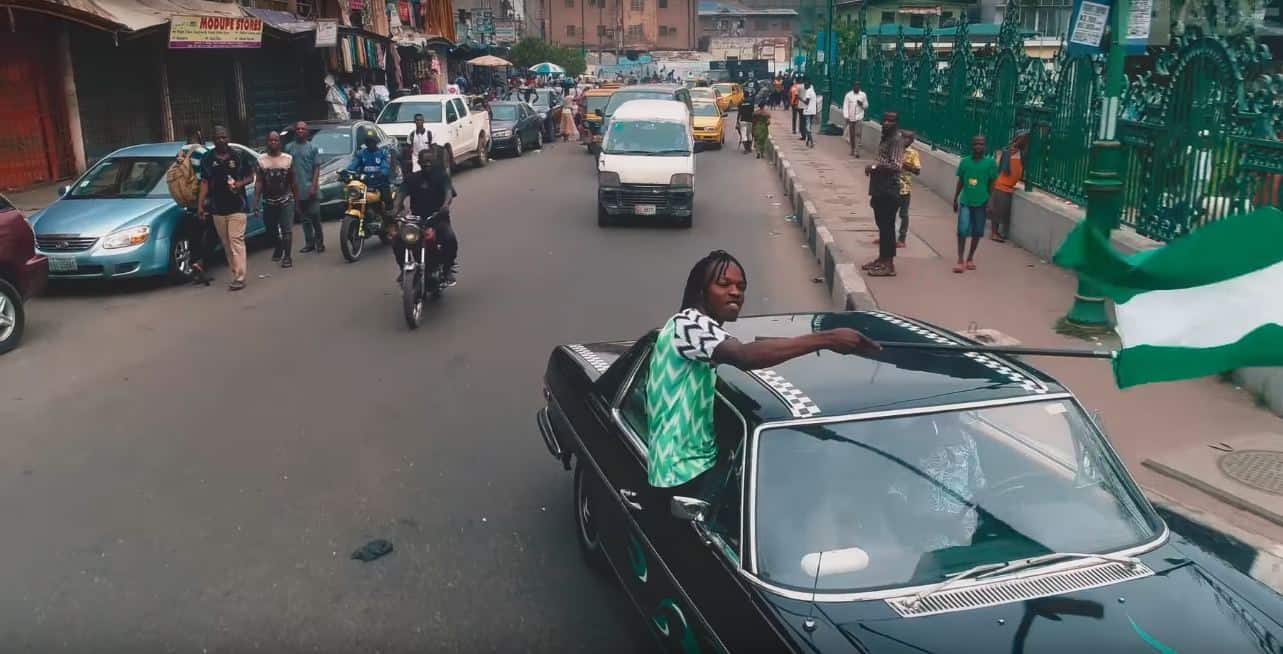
(214, 32)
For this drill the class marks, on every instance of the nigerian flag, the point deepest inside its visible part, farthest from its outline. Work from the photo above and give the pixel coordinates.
(1206, 303)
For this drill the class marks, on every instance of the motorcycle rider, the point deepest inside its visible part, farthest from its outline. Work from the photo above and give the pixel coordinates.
(428, 191)
(374, 162)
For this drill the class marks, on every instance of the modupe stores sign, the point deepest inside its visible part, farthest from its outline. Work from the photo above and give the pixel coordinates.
(208, 32)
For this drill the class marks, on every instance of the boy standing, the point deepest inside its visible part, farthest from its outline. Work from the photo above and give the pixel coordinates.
(910, 167)
(976, 177)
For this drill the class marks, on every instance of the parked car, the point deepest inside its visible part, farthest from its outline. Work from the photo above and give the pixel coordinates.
(734, 93)
(23, 273)
(118, 220)
(918, 502)
(338, 141)
(515, 126)
(710, 124)
(548, 103)
(647, 163)
(710, 94)
(463, 133)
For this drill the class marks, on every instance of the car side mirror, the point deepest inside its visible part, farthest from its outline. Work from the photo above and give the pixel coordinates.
(689, 509)
(64, 189)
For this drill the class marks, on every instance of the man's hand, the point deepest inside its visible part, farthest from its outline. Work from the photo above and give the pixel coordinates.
(955, 205)
(316, 189)
(848, 341)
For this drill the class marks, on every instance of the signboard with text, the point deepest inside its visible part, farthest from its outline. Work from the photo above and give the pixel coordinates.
(327, 33)
(215, 32)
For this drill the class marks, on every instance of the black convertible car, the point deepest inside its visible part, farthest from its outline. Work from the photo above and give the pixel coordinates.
(921, 502)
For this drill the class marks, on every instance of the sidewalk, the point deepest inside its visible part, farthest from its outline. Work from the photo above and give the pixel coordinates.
(1023, 297)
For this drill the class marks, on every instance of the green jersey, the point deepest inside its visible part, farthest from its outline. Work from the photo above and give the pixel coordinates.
(679, 399)
(977, 176)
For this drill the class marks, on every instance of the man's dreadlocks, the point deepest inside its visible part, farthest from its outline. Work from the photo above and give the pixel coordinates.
(705, 271)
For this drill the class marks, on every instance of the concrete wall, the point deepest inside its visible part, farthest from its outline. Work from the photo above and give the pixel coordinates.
(1041, 221)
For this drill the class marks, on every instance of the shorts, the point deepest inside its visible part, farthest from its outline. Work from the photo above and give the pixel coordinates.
(971, 221)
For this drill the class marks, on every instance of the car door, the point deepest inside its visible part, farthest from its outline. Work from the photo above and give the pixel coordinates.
(529, 124)
(467, 131)
(452, 127)
(659, 593)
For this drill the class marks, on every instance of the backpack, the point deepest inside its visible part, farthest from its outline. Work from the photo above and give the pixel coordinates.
(184, 186)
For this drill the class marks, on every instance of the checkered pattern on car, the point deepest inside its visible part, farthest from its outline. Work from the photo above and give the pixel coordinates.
(1025, 382)
(800, 405)
(591, 357)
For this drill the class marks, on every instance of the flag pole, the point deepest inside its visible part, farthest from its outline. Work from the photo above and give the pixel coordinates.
(1001, 349)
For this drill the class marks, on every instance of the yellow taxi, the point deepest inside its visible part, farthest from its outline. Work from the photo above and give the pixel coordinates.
(710, 123)
(731, 90)
(711, 94)
(595, 99)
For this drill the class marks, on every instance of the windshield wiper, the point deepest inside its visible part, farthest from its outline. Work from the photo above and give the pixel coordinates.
(1022, 564)
(973, 572)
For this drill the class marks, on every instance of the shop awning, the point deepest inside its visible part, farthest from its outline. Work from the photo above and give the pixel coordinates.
(282, 20)
(127, 15)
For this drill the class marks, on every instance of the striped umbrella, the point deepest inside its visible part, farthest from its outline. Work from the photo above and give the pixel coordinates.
(548, 68)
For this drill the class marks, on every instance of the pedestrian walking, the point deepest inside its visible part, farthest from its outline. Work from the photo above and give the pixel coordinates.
(184, 185)
(307, 182)
(567, 121)
(795, 92)
(744, 124)
(761, 129)
(976, 177)
(911, 166)
(420, 140)
(275, 193)
(224, 175)
(810, 108)
(853, 107)
(884, 194)
(1011, 168)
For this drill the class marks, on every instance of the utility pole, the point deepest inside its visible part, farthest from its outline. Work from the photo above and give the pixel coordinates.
(1104, 184)
(829, 53)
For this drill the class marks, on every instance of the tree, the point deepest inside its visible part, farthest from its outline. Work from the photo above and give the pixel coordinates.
(531, 50)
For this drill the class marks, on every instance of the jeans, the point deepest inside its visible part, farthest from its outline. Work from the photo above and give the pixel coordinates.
(806, 127)
(279, 221)
(309, 213)
(904, 217)
(445, 235)
(884, 208)
(971, 221)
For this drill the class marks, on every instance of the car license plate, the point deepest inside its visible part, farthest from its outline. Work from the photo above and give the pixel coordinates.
(644, 209)
(62, 264)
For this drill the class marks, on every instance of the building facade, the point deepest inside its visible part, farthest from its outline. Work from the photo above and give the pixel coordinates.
(728, 19)
(622, 25)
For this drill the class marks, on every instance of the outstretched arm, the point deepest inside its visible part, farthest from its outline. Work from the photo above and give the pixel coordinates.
(765, 353)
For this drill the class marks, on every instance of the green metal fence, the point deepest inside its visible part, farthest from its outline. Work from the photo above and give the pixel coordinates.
(1200, 124)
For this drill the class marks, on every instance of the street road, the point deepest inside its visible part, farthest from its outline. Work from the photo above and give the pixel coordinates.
(187, 469)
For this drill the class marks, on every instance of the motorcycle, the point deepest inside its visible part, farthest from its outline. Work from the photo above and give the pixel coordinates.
(363, 217)
(422, 266)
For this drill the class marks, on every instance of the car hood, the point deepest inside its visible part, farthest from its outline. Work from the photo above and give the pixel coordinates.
(1183, 609)
(98, 217)
(706, 121)
(641, 169)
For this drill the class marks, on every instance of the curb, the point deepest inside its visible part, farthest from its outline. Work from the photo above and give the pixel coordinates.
(846, 286)
(1253, 555)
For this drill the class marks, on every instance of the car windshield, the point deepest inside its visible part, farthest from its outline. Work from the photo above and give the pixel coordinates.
(124, 177)
(330, 142)
(403, 112)
(620, 97)
(724, 89)
(908, 500)
(594, 102)
(706, 109)
(703, 93)
(647, 137)
(504, 112)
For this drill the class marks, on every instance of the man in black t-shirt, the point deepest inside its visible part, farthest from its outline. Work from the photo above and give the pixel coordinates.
(426, 192)
(225, 173)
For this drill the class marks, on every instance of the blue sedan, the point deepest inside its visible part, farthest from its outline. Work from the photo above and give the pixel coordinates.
(118, 220)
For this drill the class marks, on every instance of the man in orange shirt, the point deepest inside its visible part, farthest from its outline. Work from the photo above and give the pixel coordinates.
(1011, 168)
(794, 91)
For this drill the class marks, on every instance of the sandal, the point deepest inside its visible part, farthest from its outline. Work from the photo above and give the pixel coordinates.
(871, 265)
(900, 243)
(883, 270)
(958, 268)
(971, 265)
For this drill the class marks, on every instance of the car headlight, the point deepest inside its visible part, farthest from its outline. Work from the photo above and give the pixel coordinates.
(126, 237)
(607, 178)
(501, 133)
(682, 179)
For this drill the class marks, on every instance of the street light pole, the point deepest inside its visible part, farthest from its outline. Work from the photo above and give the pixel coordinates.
(1104, 184)
(829, 52)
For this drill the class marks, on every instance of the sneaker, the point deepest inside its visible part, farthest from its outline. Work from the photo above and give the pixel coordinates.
(307, 248)
(320, 247)
(871, 265)
(451, 277)
(276, 256)
(286, 262)
(236, 285)
(882, 270)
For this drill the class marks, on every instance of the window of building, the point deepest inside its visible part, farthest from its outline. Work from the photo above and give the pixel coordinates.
(917, 20)
(946, 18)
(570, 3)
(638, 5)
(635, 31)
(570, 29)
(601, 30)
(663, 30)
(888, 18)
(663, 4)
(759, 24)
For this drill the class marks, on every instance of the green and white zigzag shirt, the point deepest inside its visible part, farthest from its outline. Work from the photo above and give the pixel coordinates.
(679, 399)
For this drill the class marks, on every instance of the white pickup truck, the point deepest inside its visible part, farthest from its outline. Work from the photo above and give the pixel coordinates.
(463, 133)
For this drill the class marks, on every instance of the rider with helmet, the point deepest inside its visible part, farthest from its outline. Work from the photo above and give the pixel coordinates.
(377, 167)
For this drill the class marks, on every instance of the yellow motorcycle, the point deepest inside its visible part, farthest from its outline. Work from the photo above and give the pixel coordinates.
(363, 218)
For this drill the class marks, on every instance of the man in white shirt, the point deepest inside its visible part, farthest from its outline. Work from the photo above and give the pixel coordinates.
(853, 107)
(420, 140)
(810, 107)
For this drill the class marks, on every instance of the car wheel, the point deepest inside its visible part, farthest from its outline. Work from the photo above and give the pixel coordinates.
(12, 317)
(586, 521)
(180, 260)
(539, 141)
(603, 218)
(517, 147)
(483, 152)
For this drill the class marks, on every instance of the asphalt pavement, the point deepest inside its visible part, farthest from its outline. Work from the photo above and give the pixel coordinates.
(186, 469)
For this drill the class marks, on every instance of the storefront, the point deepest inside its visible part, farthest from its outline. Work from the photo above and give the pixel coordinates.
(32, 107)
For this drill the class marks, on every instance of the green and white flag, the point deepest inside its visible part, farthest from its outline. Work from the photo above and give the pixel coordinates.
(1206, 303)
